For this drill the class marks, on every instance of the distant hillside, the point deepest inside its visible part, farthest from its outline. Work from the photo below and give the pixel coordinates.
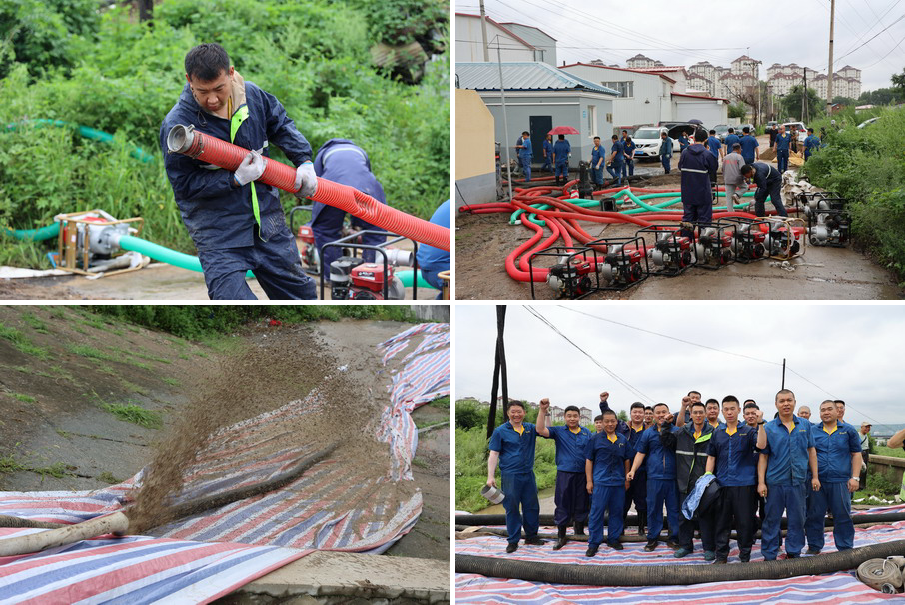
(885, 430)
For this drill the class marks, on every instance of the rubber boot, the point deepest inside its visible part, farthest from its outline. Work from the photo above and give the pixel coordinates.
(579, 528)
(561, 535)
(642, 523)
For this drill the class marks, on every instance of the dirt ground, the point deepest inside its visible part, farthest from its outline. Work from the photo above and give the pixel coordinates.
(55, 434)
(483, 241)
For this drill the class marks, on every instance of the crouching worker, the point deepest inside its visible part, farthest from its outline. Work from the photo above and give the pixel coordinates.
(344, 162)
(607, 462)
(512, 444)
(838, 449)
(236, 223)
(571, 497)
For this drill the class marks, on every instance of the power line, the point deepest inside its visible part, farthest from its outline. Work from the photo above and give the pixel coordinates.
(612, 374)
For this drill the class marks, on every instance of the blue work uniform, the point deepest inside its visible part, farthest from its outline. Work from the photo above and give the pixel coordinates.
(561, 151)
(782, 151)
(344, 162)
(608, 459)
(736, 472)
(787, 465)
(629, 147)
(698, 171)
(598, 156)
(637, 490)
(661, 483)
(749, 144)
(714, 145)
(684, 142)
(811, 144)
(769, 182)
(548, 156)
(834, 469)
(615, 167)
(431, 260)
(571, 495)
(518, 484)
(731, 140)
(524, 156)
(221, 215)
(666, 153)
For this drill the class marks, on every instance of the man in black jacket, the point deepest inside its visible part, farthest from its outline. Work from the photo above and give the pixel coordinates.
(691, 459)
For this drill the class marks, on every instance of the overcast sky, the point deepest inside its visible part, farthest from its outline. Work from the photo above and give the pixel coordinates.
(851, 352)
(772, 31)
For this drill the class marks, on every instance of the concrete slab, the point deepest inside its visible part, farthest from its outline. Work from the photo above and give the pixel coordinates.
(350, 576)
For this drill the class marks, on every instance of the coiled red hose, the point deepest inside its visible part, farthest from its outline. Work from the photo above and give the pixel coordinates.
(198, 145)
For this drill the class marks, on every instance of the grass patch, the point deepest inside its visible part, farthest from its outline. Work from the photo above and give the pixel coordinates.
(35, 323)
(58, 312)
(22, 343)
(129, 412)
(420, 462)
(90, 352)
(58, 470)
(442, 403)
(24, 398)
(64, 434)
(107, 477)
(172, 381)
(137, 389)
(184, 356)
(882, 450)
(9, 464)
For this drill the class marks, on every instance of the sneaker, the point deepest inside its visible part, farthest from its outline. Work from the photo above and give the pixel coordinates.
(512, 547)
(651, 545)
(682, 552)
(592, 550)
(615, 545)
(789, 555)
(813, 551)
(720, 562)
(672, 543)
(709, 555)
(534, 541)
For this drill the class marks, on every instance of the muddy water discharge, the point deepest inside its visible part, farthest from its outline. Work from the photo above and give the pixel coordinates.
(265, 376)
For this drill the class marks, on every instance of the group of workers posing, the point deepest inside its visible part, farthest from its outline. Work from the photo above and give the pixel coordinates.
(659, 459)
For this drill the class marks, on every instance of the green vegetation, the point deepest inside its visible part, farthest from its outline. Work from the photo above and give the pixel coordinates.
(867, 166)
(880, 486)
(107, 477)
(35, 323)
(172, 381)
(129, 412)
(68, 60)
(22, 397)
(22, 343)
(882, 450)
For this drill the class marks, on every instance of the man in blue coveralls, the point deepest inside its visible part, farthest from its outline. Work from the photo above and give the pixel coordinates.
(684, 142)
(629, 147)
(787, 451)
(512, 444)
(607, 460)
(561, 151)
(731, 139)
(523, 148)
(698, 168)
(838, 447)
(598, 155)
(732, 456)
(237, 224)
(616, 160)
(811, 144)
(714, 145)
(548, 153)
(691, 458)
(783, 140)
(342, 161)
(769, 182)
(655, 445)
(432, 261)
(665, 151)
(749, 146)
(571, 499)
(633, 430)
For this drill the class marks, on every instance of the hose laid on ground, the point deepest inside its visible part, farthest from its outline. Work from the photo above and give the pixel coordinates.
(198, 145)
(881, 574)
(35, 235)
(658, 575)
(116, 523)
(88, 133)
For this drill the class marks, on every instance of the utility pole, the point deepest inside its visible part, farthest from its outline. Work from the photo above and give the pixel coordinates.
(804, 98)
(505, 122)
(484, 33)
(829, 69)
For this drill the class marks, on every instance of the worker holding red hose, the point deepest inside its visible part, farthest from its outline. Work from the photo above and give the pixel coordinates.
(237, 224)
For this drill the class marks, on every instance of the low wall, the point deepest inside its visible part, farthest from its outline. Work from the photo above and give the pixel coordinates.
(882, 464)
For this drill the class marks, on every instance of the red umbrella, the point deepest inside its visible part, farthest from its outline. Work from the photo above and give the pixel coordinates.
(563, 130)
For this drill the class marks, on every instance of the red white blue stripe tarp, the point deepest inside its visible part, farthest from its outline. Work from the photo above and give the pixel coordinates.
(198, 559)
(831, 589)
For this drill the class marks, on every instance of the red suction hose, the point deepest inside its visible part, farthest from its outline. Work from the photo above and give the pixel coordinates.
(201, 146)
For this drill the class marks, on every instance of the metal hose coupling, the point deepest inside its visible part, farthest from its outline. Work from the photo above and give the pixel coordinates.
(182, 139)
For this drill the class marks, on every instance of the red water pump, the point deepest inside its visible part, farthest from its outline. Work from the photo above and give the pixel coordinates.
(369, 281)
(311, 259)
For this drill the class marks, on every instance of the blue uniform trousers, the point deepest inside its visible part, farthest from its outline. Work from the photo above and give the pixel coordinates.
(275, 263)
(616, 172)
(706, 524)
(697, 213)
(782, 160)
(628, 167)
(779, 498)
(520, 489)
(807, 154)
(328, 227)
(836, 498)
(547, 164)
(571, 498)
(606, 499)
(774, 190)
(562, 169)
(665, 159)
(525, 161)
(660, 491)
(597, 175)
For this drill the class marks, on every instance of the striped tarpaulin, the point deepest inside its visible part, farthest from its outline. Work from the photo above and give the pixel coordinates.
(836, 589)
(332, 506)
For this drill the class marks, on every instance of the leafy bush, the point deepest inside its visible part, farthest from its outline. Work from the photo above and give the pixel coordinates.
(470, 414)
(882, 483)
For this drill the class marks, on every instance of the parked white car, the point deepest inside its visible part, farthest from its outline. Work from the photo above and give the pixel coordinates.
(647, 140)
(802, 130)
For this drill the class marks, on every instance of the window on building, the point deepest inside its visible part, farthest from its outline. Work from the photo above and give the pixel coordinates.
(592, 120)
(624, 88)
